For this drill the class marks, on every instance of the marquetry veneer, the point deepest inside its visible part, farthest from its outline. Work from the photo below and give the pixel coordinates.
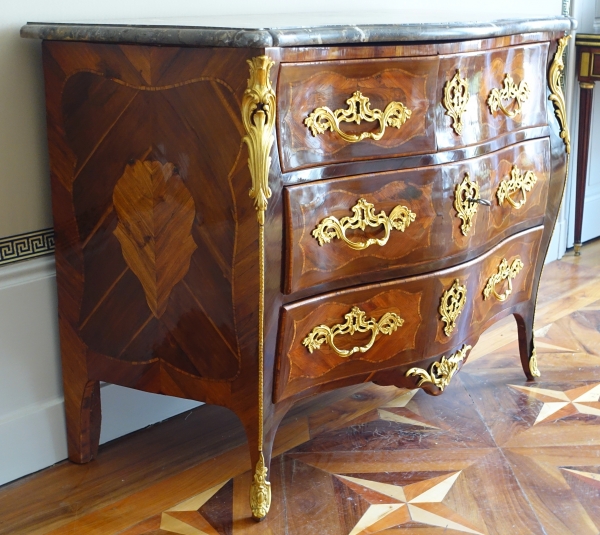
(429, 242)
(402, 199)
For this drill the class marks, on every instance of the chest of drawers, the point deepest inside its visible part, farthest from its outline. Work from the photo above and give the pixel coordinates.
(249, 217)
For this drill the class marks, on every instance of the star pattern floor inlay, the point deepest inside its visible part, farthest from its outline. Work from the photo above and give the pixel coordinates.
(393, 505)
(186, 518)
(582, 400)
(362, 469)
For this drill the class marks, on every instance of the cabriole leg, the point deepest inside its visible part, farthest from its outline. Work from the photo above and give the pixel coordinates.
(82, 399)
(527, 342)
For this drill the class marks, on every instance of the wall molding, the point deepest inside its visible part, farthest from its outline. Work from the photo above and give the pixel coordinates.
(31, 439)
(26, 272)
(26, 246)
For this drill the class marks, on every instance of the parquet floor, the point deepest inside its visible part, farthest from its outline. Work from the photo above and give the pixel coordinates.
(493, 455)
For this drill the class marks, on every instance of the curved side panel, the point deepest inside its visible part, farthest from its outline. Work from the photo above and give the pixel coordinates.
(152, 200)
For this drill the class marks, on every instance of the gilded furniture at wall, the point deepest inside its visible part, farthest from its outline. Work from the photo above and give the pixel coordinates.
(588, 71)
(247, 218)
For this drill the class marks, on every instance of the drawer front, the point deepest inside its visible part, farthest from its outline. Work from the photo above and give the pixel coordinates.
(361, 330)
(340, 111)
(487, 94)
(409, 219)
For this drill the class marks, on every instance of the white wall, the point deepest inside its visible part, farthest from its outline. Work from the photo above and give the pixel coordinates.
(31, 418)
(585, 12)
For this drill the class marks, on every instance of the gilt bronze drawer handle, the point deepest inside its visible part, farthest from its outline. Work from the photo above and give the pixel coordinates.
(364, 216)
(355, 322)
(518, 181)
(359, 109)
(456, 98)
(452, 304)
(440, 373)
(505, 272)
(509, 91)
(466, 199)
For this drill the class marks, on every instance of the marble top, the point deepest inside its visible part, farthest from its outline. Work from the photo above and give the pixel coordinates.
(259, 31)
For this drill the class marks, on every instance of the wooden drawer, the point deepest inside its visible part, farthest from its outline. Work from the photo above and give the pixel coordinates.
(401, 320)
(518, 70)
(452, 101)
(435, 238)
(306, 87)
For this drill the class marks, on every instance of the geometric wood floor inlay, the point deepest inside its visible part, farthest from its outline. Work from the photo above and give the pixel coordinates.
(586, 486)
(582, 400)
(186, 518)
(495, 454)
(403, 415)
(589, 475)
(419, 503)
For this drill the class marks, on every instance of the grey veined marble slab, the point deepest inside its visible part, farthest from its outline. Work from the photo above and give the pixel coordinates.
(259, 31)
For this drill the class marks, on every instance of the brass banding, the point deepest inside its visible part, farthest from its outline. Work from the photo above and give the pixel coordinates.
(258, 117)
(585, 64)
(583, 36)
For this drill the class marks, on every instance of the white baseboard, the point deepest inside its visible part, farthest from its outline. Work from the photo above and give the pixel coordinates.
(31, 439)
(34, 438)
(32, 422)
